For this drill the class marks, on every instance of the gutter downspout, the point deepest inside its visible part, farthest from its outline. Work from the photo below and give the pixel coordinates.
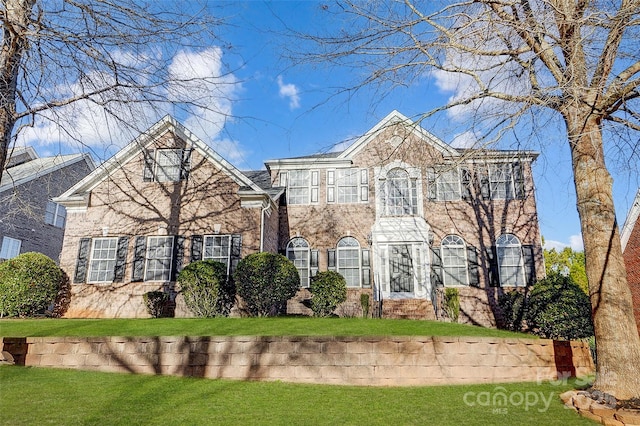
(262, 212)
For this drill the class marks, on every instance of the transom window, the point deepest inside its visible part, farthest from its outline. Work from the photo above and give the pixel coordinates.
(55, 214)
(510, 262)
(218, 248)
(454, 261)
(298, 252)
(159, 255)
(103, 260)
(10, 248)
(401, 193)
(348, 254)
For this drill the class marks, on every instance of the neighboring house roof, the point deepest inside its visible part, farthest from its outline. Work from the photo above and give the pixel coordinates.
(20, 154)
(30, 170)
(76, 195)
(631, 220)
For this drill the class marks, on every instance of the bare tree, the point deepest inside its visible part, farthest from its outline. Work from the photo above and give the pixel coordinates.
(73, 63)
(511, 62)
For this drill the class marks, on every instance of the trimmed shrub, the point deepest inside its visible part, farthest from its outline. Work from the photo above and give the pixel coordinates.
(207, 291)
(452, 303)
(364, 302)
(29, 284)
(328, 290)
(265, 281)
(156, 303)
(512, 306)
(557, 308)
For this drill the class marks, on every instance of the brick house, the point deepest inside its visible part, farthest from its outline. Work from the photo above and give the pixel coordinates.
(631, 251)
(29, 219)
(399, 213)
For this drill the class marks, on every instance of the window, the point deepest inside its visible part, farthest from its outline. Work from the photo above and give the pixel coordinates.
(103, 260)
(348, 259)
(302, 186)
(167, 165)
(218, 248)
(351, 186)
(454, 261)
(298, 252)
(159, 256)
(510, 262)
(10, 248)
(401, 194)
(506, 181)
(55, 214)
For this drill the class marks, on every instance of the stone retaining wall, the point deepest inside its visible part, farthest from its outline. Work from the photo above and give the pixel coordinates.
(383, 361)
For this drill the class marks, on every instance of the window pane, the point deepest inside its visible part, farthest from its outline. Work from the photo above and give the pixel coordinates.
(398, 193)
(159, 255)
(103, 260)
(217, 247)
(298, 189)
(169, 164)
(10, 248)
(298, 252)
(448, 185)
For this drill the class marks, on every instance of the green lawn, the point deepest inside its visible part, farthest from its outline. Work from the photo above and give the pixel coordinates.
(34, 396)
(279, 326)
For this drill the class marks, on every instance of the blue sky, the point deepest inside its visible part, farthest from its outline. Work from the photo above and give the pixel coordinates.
(282, 111)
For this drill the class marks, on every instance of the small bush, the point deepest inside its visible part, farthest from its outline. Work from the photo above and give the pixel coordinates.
(265, 281)
(512, 305)
(156, 303)
(328, 290)
(364, 302)
(557, 308)
(207, 291)
(452, 303)
(29, 284)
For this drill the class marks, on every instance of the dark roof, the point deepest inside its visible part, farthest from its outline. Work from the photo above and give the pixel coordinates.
(262, 178)
(319, 155)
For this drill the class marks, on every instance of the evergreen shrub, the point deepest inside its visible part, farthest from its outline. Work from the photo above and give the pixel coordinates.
(206, 290)
(328, 290)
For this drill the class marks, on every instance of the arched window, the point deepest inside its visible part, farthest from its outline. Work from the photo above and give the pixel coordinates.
(454, 261)
(400, 193)
(348, 254)
(510, 262)
(298, 253)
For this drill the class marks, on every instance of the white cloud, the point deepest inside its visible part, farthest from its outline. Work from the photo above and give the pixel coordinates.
(575, 242)
(289, 91)
(464, 140)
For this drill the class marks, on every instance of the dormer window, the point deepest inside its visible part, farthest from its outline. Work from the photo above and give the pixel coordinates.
(167, 165)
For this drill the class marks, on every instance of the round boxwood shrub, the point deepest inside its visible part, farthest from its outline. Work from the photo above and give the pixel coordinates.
(207, 291)
(557, 308)
(29, 283)
(157, 303)
(265, 281)
(328, 290)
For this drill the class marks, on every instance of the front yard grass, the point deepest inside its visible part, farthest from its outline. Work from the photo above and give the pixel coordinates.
(277, 326)
(30, 396)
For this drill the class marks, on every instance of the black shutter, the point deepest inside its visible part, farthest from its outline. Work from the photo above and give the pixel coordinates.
(472, 259)
(492, 257)
(196, 247)
(82, 262)
(483, 179)
(178, 256)
(436, 267)
(149, 162)
(139, 254)
(313, 263)
(529, 264)
(518, 179)
(331, 259)
(236, 251)
(186, 164)
(431, 184)
(121, 259)
(466, 184)
(366, 268)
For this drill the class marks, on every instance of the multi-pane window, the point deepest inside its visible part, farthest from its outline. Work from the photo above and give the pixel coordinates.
(510, 262)
(302, 186)
(506, 181)
(10, 248)
(55, 214)
(347, 186)
(167, 165)
(103, 260)
(158, 261)
(218, 248)
(401, 193)
(448, 185)
(348, 260)
(298, 252)
(454, 261)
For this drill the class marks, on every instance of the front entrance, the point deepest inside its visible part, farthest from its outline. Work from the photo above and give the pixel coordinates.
(401, 268)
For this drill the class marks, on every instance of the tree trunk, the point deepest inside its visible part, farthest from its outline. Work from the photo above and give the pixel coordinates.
(14, 44)
(617, 339)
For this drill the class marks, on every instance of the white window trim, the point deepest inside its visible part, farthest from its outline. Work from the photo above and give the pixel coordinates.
(58, 211)
(312, 189)
(91, 259)
(380, 176)
(147, 258)
(292, 249)
(216, 258)
(463, 246)
(358, 250)
(10, 247)
(509, 243)
(361, 186)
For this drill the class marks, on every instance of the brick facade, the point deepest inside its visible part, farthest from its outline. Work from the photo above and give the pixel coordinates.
(631, 247)
(217, 199)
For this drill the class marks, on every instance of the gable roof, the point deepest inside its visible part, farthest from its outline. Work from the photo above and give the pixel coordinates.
(78, 192)
(631, 220)
(37, 167)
